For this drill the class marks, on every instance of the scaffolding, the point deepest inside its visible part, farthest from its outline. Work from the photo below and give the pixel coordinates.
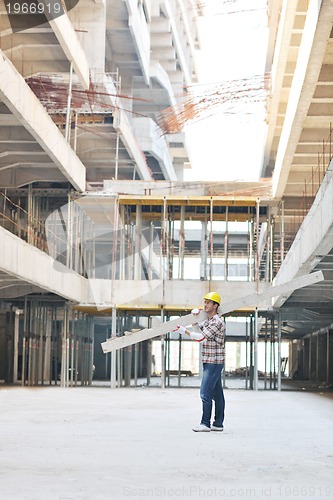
(48, 343)
(129, 238)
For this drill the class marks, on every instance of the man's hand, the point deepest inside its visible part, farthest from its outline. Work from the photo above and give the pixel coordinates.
(180, 329)
(195, 311)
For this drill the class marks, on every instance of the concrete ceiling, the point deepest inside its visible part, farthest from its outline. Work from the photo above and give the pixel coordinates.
(300, 106)
(23, 160)
(299, 146)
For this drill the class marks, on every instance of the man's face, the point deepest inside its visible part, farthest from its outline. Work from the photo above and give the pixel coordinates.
(209, 306)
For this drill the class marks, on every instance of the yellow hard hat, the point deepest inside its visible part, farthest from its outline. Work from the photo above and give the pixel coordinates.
(213, 296)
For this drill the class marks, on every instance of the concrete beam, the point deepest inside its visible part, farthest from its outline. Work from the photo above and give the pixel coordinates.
(69, 42)
(149, 138)
(24, 174)
(314, 239)
(255, 299)
(141, 36)
(23, 261)
(23, 103)
(175, 293)
(17, 290)
(128, 138)
(177, 42)
(92, 37)
(279, 64)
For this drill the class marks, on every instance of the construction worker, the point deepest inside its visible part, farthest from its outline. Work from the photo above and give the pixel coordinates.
(211, 335)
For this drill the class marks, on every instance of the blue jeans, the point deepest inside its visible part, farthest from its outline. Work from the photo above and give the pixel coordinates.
(211, 390)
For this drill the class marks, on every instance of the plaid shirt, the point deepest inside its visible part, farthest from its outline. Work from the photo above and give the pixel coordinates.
(213, 330)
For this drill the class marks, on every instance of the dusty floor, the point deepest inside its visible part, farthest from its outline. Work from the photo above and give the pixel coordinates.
(98, 443)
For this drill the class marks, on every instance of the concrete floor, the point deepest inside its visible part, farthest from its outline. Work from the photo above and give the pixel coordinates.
(98, 443)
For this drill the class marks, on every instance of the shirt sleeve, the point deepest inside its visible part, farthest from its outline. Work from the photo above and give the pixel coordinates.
(213, 329)
(198, 337)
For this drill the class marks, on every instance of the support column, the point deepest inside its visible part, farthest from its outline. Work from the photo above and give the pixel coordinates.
(64, 349)
(69, 100)
(282, 232)
(181, 251)
(268, 248)
(149, 358)
(211, 243)
(327, 356)
(162, 354)
(257, 256)
(266, 328)
(279, 351)
(226, 241)
(16, 342)
(255, 352)
(246, 353)
(47, 357)
(113, 354)
(203, 250)
(138, 234)
(250, 246)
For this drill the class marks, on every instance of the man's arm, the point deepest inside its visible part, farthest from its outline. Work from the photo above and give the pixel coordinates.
(197, 337)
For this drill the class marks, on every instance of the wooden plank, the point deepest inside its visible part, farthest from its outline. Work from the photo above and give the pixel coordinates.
(255, 299)
(116, 343)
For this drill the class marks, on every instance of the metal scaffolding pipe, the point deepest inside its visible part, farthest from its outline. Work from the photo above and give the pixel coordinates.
(246, 352)
(226, 244)
(279, 350)
(162, 353)
(266, 328)
(16, 343)
(179, 359)
(257, 255)
(113, 358)
(204, 249)
(327, 356)
(138, 236)
(181, 250)
(211, 243)
(255, 351)
(69, 100)
(282, 230)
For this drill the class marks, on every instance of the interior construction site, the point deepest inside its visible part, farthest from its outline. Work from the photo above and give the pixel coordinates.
(100, 234)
